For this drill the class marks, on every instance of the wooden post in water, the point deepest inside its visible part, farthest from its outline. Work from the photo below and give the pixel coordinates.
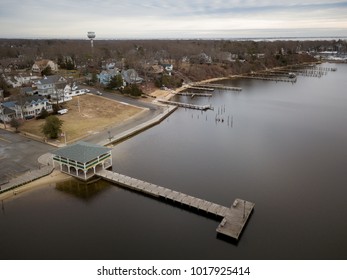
(244, 210)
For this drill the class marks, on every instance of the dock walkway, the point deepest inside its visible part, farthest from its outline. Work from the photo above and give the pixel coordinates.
(187, 105)
(193, 94)
(220, 86)
(234, 218)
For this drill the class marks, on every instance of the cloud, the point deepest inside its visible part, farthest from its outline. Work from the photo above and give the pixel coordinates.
(141, 18)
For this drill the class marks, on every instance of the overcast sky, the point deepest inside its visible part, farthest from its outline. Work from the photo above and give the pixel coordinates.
(113, 19)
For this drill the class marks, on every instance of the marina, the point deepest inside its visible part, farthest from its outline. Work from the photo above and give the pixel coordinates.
(234, 218)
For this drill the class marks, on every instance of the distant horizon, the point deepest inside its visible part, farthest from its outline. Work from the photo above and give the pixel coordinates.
(173, 19)
(269, 37)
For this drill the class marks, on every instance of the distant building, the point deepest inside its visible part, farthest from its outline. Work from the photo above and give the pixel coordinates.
(105, 76)
(18, 81)
(167, 67)
(40, 65)
(130, 76)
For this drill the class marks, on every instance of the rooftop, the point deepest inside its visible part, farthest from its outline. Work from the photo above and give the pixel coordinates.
(81, 151)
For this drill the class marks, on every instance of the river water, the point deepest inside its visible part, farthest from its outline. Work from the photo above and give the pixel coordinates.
(280, 145)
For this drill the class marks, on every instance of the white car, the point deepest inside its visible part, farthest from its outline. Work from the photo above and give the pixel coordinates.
(62, 111)
(98, 93)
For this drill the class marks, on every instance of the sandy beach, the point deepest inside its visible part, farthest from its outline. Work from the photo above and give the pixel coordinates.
(54, 177)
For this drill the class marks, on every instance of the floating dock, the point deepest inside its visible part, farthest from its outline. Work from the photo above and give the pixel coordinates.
(234, 218)
(187, 105)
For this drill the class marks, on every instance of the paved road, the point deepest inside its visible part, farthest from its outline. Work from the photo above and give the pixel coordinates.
(19, 154)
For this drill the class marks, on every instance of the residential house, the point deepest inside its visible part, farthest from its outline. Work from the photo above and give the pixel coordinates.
(156, 69)
(105, 76)
(40, 65)
(7, 111)
(49, 84)
(201, 58)
(73, 91)
(168, 68)
(27, 91)
(18, 81)
(31, 106)
(130, 76)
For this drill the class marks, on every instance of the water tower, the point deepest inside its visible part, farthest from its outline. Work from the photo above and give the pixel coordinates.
(91, 36)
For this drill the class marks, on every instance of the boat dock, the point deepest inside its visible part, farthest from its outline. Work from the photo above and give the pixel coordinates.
(220, 86)
(193, 94)
(234, 218)
(273, 78)
(200, 88)
(187, 105)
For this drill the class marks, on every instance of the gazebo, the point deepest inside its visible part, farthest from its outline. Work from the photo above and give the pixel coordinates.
(82, 160)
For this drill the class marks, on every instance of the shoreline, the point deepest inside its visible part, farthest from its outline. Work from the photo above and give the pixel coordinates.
(57, 176)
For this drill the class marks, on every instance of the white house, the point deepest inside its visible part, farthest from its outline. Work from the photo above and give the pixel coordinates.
(40, 65)
(32, 106)
(26, 107)
(48, 85)
(18, 81)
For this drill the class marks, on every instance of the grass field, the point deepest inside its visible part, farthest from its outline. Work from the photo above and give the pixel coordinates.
(87, 114)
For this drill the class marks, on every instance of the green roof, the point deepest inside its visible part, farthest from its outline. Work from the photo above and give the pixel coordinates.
(81, 151)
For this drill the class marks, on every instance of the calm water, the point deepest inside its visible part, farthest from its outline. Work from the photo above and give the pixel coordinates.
(281, 145)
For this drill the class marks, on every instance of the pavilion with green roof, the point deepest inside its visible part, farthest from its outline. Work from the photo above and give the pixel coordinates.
(82, 160)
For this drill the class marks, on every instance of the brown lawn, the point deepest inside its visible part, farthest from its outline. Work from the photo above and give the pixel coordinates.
(93, 114)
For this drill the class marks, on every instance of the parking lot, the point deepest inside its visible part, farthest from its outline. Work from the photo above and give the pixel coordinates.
(18, 154)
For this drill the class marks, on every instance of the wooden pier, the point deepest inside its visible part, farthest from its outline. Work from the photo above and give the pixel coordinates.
(200, 88)
(193, 94)
(269, 78)
(187, 105)
(220, 86)
(234, 218)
